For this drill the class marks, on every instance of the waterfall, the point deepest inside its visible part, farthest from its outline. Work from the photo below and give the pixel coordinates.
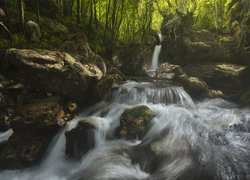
(155, 57)
(186, 140)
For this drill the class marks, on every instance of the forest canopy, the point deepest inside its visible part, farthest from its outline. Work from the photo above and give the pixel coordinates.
(130, 21)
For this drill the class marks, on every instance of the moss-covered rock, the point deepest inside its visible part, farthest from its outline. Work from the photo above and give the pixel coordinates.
(223, 76)
(52, 71)
(33, 32)
(80, 139)
(212, 93)
(106, 84)
(134, 122)
(196, 87)
(44, 114)
(169, 71)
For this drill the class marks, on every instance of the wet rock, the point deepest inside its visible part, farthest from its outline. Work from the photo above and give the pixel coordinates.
(244, 77)
(245, 98)
(80, 139)
(78, 47)
(169, 71)
(225, 77)
(33, 31)
(24, 148)
(52, 71)
(200, 46)
(212, 93)
(196, 87)
(134, 122)
(9, 93)
(105, 85)
(44, 114)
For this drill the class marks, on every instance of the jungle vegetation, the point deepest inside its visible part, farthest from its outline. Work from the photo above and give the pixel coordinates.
(129, 21)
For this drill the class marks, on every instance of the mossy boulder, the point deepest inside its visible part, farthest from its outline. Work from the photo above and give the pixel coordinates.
(33, 32)
(52, 71)
(80, 139)
(134, 122)
(212, 93)
(105, 85)
(44, 114)
(169, 71)
(196, 87)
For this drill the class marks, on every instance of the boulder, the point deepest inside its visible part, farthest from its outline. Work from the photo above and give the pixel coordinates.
(33, 31)
(34, 123)
(196, 87)
(46, 113)
(105, 85)
(53, 27)
(80, 139)
(169, 71)
(212, 93)
(9, 93)
(52, 71)
(244, 77)
(24, 148)
(245, 98)
(225, 77)
(134, 122)
(77, 45)
(200, 46)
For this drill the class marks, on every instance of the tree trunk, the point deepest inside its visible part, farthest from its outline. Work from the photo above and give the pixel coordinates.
(78, 11)
(21, 13)
(38, 12)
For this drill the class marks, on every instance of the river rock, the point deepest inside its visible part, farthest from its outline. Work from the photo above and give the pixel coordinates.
(9, 92)
(134, 122)
(105, 85)
(225, 77)
(200, 46)
(24, 148)
(44, 113)
(52, 71)
(169, 71)
(77, 45)
(80, 139)
(196, 87)
(33, 31)
(244, 77)
(245, 98)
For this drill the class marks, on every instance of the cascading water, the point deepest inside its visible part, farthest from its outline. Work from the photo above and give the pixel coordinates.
(186, 141)
(155, 58)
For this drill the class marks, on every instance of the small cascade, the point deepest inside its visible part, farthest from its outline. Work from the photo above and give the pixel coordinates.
(155, 58)
(155, 93)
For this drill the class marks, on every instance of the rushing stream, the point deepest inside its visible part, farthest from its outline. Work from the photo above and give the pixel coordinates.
(186, 141)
